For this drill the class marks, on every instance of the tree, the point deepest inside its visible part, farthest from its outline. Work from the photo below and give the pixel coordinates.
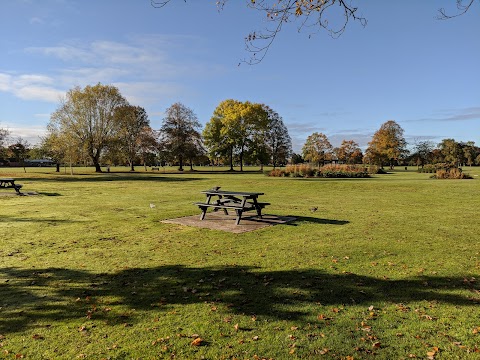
(451, 151)
(278, 141)
(234, 129)
(313, 15)
(469, 152)
(61, 147)
(19, 150)
(297, 159)
(179, 134)
(387, 145)
(317, 149)
(349, 152)
(3, 136)
(423, 152)
(148, 146)
(88, 116)
(462, 6)
(133, 124)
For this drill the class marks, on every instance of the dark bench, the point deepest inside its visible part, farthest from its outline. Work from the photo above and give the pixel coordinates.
(155, 168)
(225, 206)
(10, 184)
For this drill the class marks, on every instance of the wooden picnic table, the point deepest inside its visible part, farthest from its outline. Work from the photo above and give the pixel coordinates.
(10, 184)
(233, 200)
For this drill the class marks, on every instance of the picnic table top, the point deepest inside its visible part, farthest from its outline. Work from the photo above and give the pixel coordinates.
(231, 193)
(7, 179)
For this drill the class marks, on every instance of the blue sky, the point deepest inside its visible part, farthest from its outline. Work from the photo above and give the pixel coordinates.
(405, 65)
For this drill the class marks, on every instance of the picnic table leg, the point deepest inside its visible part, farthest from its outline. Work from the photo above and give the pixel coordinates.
(239, 216)
(204, 211)
(257, 207)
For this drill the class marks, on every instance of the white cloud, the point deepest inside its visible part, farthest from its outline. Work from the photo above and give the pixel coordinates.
(145, 68)
(30, 87)
(32, 134)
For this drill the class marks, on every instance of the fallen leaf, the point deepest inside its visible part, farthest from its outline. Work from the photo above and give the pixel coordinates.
(324, 351)
(255, 338)
(37, 337)
(236, 327)
(197, 342)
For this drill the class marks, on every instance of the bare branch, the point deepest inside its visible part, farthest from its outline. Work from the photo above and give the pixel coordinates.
(309, 14)
(462, 6)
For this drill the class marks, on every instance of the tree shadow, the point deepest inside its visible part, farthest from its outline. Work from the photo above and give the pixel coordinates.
(32, 296)
(108, 178)
(8, 218)
(300, 219)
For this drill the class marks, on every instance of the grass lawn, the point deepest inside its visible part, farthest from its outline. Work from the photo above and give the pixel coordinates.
(386, 268)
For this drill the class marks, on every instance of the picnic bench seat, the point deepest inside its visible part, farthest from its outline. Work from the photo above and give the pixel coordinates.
(225, 206)
(10, 184)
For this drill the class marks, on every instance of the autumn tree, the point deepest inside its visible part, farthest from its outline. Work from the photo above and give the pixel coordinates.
(349, 152)
(179, 133)
(88, 116)
(469, 152)
(451, 151)
(132, 124)
(387, 145)
(317, 149)
(61, 146)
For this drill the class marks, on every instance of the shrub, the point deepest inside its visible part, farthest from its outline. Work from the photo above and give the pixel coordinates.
(452, 173)
(327, 171)
(276, 173)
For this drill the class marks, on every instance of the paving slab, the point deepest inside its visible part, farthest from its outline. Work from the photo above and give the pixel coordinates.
(220, 221)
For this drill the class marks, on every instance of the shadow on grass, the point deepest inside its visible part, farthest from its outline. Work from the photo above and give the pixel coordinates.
(300, 219)
(50, 194)
(41, 296)
(109, 177)
(8, 218)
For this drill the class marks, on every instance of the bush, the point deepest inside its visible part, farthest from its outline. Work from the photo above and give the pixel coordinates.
(327, 171)
(275, 173)
(453, 173)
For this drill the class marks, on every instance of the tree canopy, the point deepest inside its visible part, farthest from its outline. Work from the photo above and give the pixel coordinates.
(180, 133)
(387, 144)
(87, 117)
(317, 149)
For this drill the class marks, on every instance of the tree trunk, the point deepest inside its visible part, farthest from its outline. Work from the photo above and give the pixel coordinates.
(98, 169)
(180, 159)
(58, 167)
(132, 168)
(231, 159)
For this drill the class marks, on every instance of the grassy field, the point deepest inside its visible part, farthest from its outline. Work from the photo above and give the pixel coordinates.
(386, 268)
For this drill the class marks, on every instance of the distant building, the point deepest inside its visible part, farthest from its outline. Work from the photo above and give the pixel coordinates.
(39, 162)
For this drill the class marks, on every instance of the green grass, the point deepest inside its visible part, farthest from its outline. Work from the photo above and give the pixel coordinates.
(386, 268)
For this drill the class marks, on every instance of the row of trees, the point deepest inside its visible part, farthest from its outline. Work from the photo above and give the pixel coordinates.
(389, 147)
(96, 124)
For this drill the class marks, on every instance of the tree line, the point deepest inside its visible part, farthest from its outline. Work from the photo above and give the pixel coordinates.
(388, 147)
(97, 126)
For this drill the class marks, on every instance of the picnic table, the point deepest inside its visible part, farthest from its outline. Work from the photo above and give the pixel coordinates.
(231, 200)
(10, 184)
